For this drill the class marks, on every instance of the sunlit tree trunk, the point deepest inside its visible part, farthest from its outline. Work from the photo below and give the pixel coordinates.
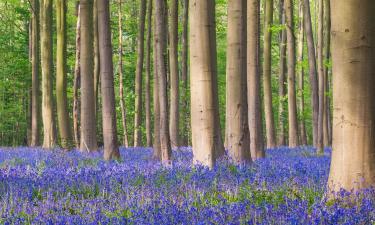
(35, 74)
(47, 72)
(353, 55)
(174, 76)
(253, 80)
(138, 76)
(312, 69)
(77, 81)
(111, 150)
(148, 75)
(121, 74)
(281, 140)
(88, 121)
(237, 128)
(301, 75)
(160, 31)
(61, 87)
(202, 80)
(267, 64)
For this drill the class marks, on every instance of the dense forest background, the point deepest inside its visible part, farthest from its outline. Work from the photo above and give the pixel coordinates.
(15, 67)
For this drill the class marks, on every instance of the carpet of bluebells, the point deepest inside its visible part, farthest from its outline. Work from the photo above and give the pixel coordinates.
(57, 187)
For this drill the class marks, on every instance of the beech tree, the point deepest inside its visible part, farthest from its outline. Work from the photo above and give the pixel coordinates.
(321, 79)
(270, 124)
(77, 80)
(35, 114)
(237, 127)
(88, 121)
(49, 128)
(353, 154)
(148, 75)
(138, 75)
(253, 80)
(107, 84)
(61, 83)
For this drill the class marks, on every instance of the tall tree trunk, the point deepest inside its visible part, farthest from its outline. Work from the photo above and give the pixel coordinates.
(253, 80)
(88, 121)
(267, 86)
(282, 71)
(237, 127)
(301, 75)
(35, 75)
(173, 63)
(312, 69)
(111, 150)
(96, 59)
(61, 91)
(47, 71)
(138, 76)
(291, 54)
(121, 74)
(184, 72)
(202, 80)
(160, 31)
(320, 146)
(156, 140)
(148, 75)
(353, 55)
(77, 80)
(327, 52)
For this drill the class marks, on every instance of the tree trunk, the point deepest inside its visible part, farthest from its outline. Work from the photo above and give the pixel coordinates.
(237, 128)
(160, 31)
(96, 67)
(267, 86)
(184, 73)
(301, 75)
(253, 80)
(202, 80)
(320, 146)
(61, 91)
(88, 121)
(327, 52)
(111, 150)
(47, 72)
(353, 55)
(282, 71)
(312, 69)
(148, 75)
(173, 63)
(292, 105)
(121, 74)
(138, 76)
(156, 141)
(77, 81)
(35, 75)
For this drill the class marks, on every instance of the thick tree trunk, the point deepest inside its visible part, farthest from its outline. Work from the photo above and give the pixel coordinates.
(47, 72)
(35, 75)
(292, 105)
(237, 128)
(253, 80)
(156, 140)
(88, 121)
(184, 73)
(77, 81)
(202, 80)
(281, 140)
(353, 55)
(111, 150)
(160, 31)
(173, 63)
(301, 75)
(267, 64)
(148, 75)
(320, 146)
(121, 74)
(138, 76)
(61, 89)
(312, 69)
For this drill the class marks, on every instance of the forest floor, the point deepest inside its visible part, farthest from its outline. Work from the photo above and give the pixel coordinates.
(57, 187)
